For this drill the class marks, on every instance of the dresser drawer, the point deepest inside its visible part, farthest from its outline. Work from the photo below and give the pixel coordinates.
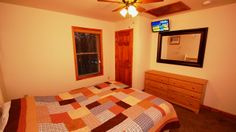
(158, 93)
(186, 85)
(180, 99)
(156, 85)
(186, 93)
(156, 90)
(157, 78)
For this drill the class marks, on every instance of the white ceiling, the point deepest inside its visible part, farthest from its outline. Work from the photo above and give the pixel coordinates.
(103, 10)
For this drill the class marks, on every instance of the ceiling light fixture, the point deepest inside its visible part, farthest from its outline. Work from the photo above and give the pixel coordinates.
(123, 12)
(131, 11)
(130, 7)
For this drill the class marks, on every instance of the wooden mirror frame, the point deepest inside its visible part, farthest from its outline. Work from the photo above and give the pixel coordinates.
(201, 51)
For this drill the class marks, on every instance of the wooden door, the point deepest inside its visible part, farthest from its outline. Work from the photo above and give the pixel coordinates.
(124, 56)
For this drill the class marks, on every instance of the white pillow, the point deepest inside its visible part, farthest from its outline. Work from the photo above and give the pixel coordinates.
(5, 115)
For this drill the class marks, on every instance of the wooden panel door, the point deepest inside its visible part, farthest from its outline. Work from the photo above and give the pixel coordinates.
(124, 56)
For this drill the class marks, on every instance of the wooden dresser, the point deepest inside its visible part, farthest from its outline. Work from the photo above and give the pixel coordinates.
(179, 89)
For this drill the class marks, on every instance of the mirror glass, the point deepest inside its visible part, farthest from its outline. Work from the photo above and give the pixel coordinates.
(183, 47)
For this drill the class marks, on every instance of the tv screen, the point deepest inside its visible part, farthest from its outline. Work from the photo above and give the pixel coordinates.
(162, 25)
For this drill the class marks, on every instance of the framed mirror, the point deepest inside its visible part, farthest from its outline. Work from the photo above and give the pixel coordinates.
(182, 47)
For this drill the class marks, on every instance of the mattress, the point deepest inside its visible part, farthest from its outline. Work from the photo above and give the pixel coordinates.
(109, 106)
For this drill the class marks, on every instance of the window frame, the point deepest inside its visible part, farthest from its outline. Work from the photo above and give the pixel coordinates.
(100, 51)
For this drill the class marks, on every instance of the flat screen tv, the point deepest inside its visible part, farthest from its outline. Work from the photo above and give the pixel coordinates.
(162, 25)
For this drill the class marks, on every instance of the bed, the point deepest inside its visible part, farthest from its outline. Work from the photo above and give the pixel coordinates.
(109, 106)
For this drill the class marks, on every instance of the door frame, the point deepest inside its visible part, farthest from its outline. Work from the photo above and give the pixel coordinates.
(130, 50)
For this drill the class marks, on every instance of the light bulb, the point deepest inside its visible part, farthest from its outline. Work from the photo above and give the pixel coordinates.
(132, 11)
(135, 13)
(123, 12)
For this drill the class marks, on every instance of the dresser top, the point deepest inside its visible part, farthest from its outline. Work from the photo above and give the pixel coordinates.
(178, 76)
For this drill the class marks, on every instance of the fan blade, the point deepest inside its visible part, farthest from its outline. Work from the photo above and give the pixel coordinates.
(110, 1)
(140, 9)
(148, 1)
(117, 9)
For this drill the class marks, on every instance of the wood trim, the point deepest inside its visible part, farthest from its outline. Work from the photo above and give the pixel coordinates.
(74, 51)
(226, 114)
(172, 8)
(87, 30)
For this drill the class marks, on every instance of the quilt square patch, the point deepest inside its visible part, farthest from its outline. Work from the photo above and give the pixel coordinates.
(65, 96)
(127, 125)
(104, 116)
(131, 100)
(120, 95)
(139, 95)
(75, 105)
(158, 101)
(75, 124)
(60, 117)
(42, 114)
(45, 98)
(154, 114)
(145, 104)
(108, 82)
(78, 113)
(92, 105)
(133, 112)
(113, 99)
(144, 121)
(116, 109)
(50, 127)
(123, 104)
(120, 85)
(102, 107)
(91, 121)
(127, 91)
(81, 98)
(68, 101)
(110, 123)
(102, 85)
(54, 109)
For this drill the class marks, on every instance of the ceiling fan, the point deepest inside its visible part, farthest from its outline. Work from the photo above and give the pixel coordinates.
(130, 7)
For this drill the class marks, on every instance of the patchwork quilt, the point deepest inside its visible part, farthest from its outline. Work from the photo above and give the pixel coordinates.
(109, 106)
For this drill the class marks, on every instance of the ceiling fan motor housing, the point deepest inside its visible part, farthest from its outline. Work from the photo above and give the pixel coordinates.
(129, 2)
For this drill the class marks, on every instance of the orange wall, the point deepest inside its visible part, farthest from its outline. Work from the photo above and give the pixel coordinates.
(37, 51)
(220, 62)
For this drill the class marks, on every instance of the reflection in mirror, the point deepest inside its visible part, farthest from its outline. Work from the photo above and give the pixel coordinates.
(182, 47)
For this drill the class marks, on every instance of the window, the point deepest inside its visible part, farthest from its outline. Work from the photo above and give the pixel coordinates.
(87, 52)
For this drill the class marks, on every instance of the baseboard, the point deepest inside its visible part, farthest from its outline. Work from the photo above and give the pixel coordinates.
(229, 115)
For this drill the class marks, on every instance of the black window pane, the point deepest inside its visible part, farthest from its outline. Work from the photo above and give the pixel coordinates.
(86, 42)
(88, 64)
